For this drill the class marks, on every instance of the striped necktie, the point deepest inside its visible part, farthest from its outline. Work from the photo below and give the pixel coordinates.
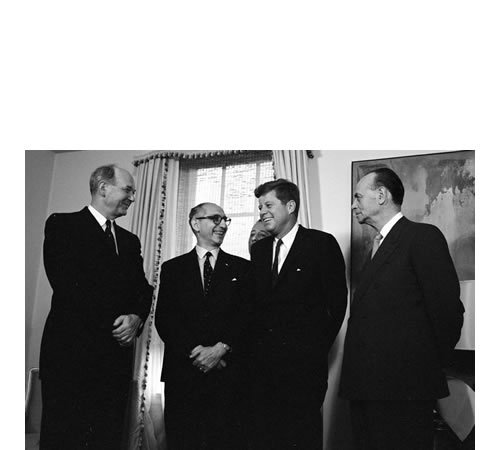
(109, 235)
(376, 243)
(207, 272)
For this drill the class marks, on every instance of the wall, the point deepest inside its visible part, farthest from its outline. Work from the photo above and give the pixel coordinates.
(39, 167)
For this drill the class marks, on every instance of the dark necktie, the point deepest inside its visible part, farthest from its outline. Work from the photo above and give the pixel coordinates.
(207, 272)
(109, 235)
(274, 270)
(376, 243)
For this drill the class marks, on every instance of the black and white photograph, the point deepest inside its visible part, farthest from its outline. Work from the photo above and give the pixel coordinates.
(206, 299)
(250, 225)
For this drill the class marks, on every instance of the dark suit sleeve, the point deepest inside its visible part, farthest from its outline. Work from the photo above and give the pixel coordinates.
(235, 333)
(75, 312)
(143, 290)
(440, 288)
(61, 266)
(334, 285)
(168, 320)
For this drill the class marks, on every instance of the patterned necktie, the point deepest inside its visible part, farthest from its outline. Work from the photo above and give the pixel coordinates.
(274, 270)
(207, 272)
(376, 243)
(109, 235)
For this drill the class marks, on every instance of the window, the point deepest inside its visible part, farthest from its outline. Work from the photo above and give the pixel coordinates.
(229, 181)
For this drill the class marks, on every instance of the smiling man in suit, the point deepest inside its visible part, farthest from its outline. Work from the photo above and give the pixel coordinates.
(100, 301)
(405, 319)
(301, 301)
(204, 304)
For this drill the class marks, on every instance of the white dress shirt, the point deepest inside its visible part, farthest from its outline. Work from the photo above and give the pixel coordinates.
(286, 245)
(202, 252)
(388, 226)
(101, 220)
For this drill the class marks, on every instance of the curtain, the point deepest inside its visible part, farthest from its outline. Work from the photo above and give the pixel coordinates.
(292, 165)
(145, 412)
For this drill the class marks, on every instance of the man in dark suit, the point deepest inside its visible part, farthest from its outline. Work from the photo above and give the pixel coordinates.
(301, 300)
(203, 306)
(100, 300)
(405, 319)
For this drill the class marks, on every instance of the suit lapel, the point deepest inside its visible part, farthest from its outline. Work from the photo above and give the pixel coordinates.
(221, 269)
(96, 232)
(389, 245)
(91, 224)
(264, 259)
(121, 239)
(193, 269)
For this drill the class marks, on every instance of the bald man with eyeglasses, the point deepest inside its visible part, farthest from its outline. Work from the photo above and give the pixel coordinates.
(204, 304)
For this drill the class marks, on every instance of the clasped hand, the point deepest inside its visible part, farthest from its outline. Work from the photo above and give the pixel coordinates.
(125, 329)
(206, 358)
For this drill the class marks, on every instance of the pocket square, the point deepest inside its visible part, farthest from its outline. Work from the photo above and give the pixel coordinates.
(299, 269)
(234, 279)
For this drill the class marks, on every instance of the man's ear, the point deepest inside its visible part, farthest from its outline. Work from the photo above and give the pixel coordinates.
(195, 224)
(383, 195)
(291, 205)
(102, 188)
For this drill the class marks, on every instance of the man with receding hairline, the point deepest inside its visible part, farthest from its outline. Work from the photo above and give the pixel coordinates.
(100, 301)
(203, 308)
(405, 319)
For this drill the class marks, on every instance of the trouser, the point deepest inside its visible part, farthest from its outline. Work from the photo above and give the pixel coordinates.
(287, 400)
(83, 414)
(206, 414)
(392, 425)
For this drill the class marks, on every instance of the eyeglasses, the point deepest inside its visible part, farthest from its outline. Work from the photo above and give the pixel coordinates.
(216, 219)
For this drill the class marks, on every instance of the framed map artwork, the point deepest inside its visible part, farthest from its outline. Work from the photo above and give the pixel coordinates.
(439, 189)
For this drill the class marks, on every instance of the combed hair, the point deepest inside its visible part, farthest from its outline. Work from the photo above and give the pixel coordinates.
(389, 179)
(195, 210)
(103, 173)
(285, 191)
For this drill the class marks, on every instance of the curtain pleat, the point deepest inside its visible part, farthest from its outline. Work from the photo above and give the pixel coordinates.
(145, 420)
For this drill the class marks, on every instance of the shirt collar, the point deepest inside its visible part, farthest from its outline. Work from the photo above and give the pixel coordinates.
(98, 216)
(288, 238)
(388, 226)
(201, 252)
